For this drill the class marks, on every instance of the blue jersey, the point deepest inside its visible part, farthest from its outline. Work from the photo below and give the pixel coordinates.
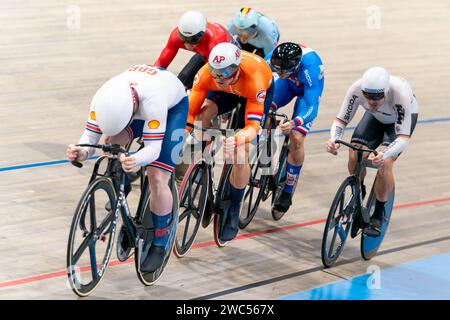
(307, 85)
(267, 37)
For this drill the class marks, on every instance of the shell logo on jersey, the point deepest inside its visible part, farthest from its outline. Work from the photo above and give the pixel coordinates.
(92, 116)
(218, 59)
(153, 124)
(261, 96)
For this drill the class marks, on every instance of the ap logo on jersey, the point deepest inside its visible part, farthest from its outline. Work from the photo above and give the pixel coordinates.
(261, 96)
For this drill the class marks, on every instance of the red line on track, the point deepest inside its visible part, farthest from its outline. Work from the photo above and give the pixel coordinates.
(60, 274)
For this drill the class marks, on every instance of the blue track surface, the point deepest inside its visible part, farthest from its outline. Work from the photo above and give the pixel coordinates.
(427, 279)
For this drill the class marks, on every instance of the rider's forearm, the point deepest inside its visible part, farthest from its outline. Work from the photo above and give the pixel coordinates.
(248, 133)
(395, 148)
(89, 137)
(148, 154)
(337, 130)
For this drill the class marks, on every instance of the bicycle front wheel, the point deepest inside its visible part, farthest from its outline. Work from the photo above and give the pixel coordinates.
(253, 195)
(338, 222)
(193, 198)
(222, 205)
(91, 237)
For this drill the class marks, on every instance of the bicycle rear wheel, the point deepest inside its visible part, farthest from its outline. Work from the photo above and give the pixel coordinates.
(338, 222)
(91, 237)
(145, 238)
(193, 198)
(370, 245)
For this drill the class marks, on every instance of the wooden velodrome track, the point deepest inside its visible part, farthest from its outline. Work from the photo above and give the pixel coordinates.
(50, 67)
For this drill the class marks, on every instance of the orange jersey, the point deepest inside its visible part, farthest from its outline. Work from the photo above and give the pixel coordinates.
(254, 79)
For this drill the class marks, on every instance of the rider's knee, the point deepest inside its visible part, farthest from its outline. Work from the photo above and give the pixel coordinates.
(157, 178)
(296, 140)
(209, 110)
(387, 167)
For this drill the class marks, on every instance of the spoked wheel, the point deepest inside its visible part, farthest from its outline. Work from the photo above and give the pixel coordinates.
(253, 195)
(370, 245)
(338, 222)
(193, 195)
(145, 237)
(280, 181)
(91, 237)
(222, 206)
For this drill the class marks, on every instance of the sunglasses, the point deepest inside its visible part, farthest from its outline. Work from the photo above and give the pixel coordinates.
(373, 96)
(195, 39)
(225, 73)
(246, 33)
(279, 70)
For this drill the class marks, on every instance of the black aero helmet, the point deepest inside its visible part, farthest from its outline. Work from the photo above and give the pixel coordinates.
(286, 57)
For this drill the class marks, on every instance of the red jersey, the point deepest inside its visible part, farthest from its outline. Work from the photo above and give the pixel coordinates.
(214, 34)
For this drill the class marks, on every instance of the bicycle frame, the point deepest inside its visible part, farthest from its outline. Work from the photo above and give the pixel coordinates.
(121, 206)
(361, 209)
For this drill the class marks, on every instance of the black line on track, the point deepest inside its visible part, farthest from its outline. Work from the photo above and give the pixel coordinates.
(311, 270)
(334, 274)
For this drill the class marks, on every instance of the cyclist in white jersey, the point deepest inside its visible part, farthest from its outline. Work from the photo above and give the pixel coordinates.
(387, 125)
(152, 102)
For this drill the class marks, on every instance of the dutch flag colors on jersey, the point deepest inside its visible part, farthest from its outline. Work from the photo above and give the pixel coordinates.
(254, 116)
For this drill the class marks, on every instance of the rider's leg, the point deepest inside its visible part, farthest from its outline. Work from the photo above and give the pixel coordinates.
(187, 74)
(353, 159)
(295, 160)
(161, 202)
(296, 155)
(369, 133)
(239, 177)
(208, 112)
(158, 173)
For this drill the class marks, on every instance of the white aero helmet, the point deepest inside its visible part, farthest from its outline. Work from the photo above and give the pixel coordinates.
(224, 60)
(192, 26)
(246, 18)
(375, 83)
(113, 105)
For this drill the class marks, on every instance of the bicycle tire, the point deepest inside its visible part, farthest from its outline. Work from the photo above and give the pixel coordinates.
(369, 245)
(328, 259)
(248, 195)
(108, 223)
(223, 193)
(280, 179)
(192, 174)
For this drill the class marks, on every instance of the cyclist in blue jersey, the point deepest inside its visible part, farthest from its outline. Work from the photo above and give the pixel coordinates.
(254, 31)
(300, 72)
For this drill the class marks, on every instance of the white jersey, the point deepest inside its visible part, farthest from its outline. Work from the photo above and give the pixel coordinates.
(399, 105)
(158, 91)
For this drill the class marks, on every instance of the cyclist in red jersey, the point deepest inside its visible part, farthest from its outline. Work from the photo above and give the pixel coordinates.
(195, 34)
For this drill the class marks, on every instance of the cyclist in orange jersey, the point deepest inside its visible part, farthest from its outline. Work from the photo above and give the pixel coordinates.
(230, 76)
